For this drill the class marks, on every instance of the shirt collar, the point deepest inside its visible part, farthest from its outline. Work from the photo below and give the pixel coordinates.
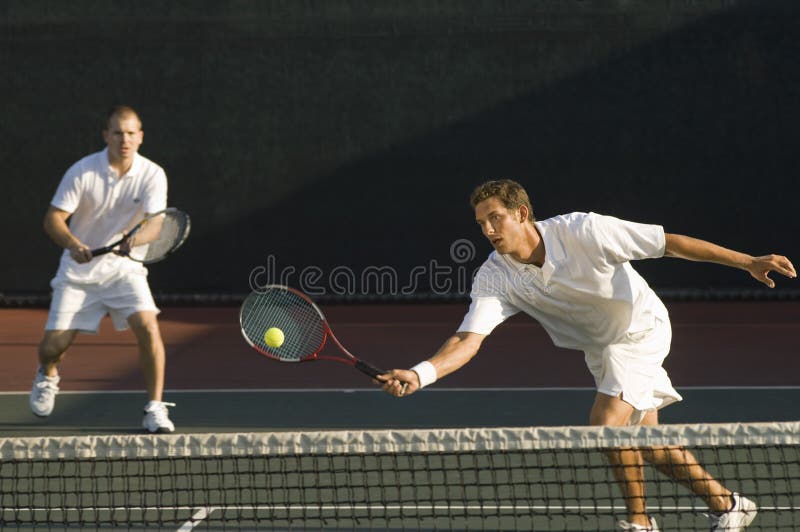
(136, 166)
(553, 253)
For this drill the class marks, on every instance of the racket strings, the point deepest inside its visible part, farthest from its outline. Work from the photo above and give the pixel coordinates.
(173, 233)
(302, 326)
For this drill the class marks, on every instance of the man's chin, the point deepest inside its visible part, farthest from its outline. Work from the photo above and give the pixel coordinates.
(501, 249)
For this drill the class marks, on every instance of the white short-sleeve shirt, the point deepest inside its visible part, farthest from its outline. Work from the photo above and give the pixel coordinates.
(103, 207)
(586, 294)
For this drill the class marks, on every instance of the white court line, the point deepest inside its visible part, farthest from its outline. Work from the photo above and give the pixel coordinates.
(205, 512)
(199, 516)
(386, 508)
(468, 510)
(378, 390)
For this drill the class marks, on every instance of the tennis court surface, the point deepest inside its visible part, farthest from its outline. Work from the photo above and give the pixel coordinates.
(268, 446)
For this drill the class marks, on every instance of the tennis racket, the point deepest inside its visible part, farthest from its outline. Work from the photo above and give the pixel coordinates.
(305, 329)
(156, 236)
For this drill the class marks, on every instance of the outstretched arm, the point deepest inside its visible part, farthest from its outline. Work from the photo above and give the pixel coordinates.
(456, 351)
(686, 247)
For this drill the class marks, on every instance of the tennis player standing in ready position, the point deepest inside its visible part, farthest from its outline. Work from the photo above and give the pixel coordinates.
(572, 273)
(102, 196)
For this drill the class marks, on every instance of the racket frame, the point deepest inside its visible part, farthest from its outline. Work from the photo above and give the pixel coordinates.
(351, 359)
(112, 247)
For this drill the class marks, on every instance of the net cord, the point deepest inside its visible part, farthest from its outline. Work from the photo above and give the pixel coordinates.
(397, 441)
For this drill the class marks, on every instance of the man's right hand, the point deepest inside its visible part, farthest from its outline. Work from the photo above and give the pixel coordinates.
(399, 382)
(80, 253)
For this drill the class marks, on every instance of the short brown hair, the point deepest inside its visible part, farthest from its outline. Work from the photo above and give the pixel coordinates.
(122, 111)
(510, 193)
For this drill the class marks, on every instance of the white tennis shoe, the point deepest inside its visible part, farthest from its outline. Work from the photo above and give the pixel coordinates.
(43, 394)
(624, 525)
(737, 518)
(156, 418)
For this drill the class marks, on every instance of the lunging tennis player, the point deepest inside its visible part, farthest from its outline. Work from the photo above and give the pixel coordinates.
(572, 273)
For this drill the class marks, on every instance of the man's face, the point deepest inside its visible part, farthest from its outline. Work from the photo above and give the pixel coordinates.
(123, 137)
(503, 228)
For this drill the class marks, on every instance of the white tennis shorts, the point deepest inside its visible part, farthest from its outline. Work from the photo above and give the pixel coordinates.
(632, 369)
(81, 307)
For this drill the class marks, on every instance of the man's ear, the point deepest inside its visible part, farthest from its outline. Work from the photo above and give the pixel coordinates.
(523, 213)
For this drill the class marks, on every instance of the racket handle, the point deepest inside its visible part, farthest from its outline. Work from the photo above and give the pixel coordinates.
(111, 247)
(102, 251)
(368, 369)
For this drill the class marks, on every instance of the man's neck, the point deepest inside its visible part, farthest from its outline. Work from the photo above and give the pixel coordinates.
(121, 166)
(533, 252)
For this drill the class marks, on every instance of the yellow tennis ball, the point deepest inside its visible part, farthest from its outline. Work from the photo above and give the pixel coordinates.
(273, 337)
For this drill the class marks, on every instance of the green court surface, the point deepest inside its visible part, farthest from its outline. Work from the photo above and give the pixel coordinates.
(282, 410)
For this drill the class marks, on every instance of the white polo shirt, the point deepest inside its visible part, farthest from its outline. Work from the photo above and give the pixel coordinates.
(586, 295)
(103, 206)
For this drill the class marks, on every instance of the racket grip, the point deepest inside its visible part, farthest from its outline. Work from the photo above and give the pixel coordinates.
(368, 369)
(101, 251)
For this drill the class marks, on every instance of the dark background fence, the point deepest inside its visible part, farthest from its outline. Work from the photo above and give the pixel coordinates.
(339, 140)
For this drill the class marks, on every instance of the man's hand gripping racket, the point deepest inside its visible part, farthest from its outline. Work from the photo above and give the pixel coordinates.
(283, 324)
(152, 239)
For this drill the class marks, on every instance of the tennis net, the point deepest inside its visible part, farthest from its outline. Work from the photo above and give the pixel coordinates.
(449, 479)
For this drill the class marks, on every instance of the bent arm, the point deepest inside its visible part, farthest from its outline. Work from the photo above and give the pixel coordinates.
(686, 247)
(149, 232)
(455, 353)
(55, 225)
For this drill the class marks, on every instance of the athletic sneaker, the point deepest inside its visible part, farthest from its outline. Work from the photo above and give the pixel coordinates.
(737, 518)
(624, 525)
(43, 394)
(156, 417)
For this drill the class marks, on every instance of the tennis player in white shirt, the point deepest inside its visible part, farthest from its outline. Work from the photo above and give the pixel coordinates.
(97, 200)
(572, 273)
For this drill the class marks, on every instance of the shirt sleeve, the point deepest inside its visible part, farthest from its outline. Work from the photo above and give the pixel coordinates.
(484, 314)
(489, 307)
(68, 193)
(623, 241)
(155, 193)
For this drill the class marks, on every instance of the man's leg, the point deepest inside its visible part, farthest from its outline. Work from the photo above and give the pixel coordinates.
(151, 351)
(45, 384)
(681, 465)
(152, 359)
(729, 511)
(52, 348)
(73, 308)
(626, 464)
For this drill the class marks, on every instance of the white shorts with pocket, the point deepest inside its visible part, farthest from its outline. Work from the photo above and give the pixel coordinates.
(81, 307)
(632, 369)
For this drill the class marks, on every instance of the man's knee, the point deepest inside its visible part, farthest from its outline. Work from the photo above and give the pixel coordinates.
(145, 326)
(54, 344)
(610, 411)
(144, 321)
